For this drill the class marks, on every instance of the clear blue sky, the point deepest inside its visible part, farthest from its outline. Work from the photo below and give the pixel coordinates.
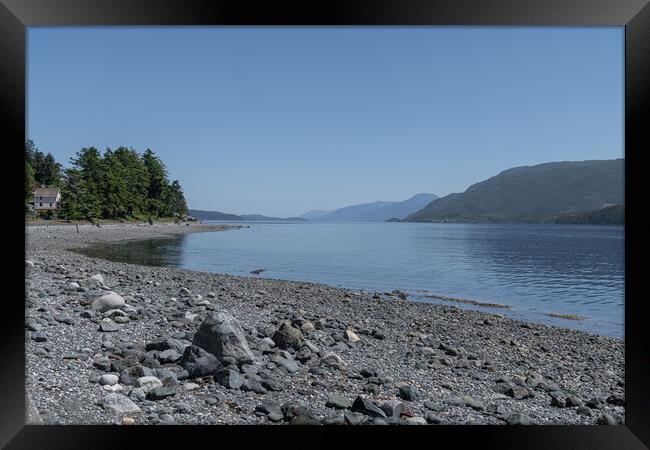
(279, 121)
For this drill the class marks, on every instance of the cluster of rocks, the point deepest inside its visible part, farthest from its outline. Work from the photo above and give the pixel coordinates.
(109, 342)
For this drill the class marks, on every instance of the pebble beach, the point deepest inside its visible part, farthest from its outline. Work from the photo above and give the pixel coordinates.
(116, 343)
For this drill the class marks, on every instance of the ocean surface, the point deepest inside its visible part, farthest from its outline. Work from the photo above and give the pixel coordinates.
(534, 269)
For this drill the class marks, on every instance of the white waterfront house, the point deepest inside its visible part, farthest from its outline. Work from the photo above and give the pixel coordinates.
(47, 198)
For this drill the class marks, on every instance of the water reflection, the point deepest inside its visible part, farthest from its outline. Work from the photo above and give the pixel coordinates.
(167, 252)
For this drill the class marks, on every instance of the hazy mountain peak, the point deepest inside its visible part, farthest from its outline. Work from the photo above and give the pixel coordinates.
(316, 213)
(379, 210)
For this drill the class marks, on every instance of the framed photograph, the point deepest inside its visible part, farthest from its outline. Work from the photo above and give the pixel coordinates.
(336, 215)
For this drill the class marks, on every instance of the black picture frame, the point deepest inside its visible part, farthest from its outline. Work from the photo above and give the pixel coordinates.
(634, 15)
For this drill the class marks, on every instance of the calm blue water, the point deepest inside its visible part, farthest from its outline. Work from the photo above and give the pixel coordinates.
(536, 269)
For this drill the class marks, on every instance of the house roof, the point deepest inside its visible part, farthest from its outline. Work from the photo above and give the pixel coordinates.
(46, 192)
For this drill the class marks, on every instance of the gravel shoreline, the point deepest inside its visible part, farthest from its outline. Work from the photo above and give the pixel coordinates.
(277, 352)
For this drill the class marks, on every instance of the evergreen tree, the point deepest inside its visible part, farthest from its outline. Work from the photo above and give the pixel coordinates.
(176, 200)
(29, 152)
(158, 184)
(78, 200)
(113, 188)
(47, 172)
(81, 196)
(29, 182)
(120, 183)
(136, 179)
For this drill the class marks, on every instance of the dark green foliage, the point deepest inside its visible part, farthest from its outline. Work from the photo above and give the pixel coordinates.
(49, 173)
(83, 191)
(76, 201)
(46, 171)
(176, 199)
(532, 194)
(125, 183)
(136, 179)
(48, 214)
(114, 186)
(158, 186)
(610, 215)
(29, 182)
(119, 184)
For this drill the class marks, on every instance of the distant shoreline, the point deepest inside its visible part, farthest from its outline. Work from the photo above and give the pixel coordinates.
(115, 232)
(401, 221)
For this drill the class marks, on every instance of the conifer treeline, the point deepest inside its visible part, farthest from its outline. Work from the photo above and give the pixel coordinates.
(40, 168)
(118, 184)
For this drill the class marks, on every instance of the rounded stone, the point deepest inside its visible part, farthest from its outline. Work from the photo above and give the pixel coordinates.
(108, 379)
(107, 302)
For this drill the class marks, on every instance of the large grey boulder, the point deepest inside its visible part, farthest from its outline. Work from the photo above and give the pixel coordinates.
(199, 363)
(338, 401)
(366, 407)
(93, 282)
(147, 383)
(221, 335)
(108, 301)
(119, 404)
(288, 337)
(518, 419)
(332, 360)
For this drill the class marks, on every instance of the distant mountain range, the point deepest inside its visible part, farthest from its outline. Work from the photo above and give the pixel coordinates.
(558, 192)
(378, 211)
(216, 215)
(580, 192)
(211, 215)
(316, 213)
